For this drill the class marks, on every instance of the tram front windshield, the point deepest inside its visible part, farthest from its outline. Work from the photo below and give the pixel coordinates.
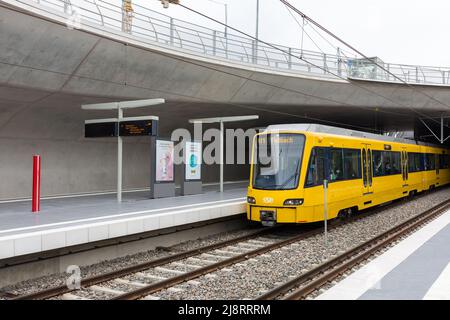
(277, 161)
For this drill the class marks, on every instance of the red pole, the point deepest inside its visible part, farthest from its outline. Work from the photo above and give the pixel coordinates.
(35, 203)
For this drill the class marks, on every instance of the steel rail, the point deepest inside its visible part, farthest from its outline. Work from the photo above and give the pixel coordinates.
(59, 290)
(158, 286)
(326, 272)
(94, 280)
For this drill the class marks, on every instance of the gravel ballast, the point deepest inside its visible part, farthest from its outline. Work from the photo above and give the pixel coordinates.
(266, 272)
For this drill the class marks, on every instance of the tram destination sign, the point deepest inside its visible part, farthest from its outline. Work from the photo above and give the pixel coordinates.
(128, 127)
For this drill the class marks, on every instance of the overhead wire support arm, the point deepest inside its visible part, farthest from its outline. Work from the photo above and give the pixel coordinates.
(441, 139)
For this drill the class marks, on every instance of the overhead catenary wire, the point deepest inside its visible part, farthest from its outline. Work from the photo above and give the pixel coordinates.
(302, 27)
(312, 64)
(286, 3)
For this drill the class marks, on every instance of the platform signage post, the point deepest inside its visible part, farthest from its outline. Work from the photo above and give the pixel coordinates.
(121, 126)
(221, 121)
(325, 211)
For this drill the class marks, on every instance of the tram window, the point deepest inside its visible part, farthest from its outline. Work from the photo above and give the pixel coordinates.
(352, 164)
(411, 162)
(377, 163)
(386, 163)
(443, 161)
(395, 163)
(420, 161)
(316, 167)
(429, 161)
(336, 165)
(414, 163)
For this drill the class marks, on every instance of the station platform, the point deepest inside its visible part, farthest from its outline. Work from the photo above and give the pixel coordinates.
(417, 268)
(69, 221)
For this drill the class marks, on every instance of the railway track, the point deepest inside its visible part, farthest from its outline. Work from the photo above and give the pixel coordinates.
(314, 279)
(146, 279)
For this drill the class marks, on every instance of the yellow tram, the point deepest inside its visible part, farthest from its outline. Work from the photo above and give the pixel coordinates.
(291, 162)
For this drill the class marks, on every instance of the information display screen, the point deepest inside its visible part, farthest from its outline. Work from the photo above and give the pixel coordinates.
(137, 128)
(100, 129)
(164, 161)
(193, 160)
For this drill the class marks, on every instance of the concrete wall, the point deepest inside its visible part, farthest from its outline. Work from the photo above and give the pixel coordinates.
(54, 129)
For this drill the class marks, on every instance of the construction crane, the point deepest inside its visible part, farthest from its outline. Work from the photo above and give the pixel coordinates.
(127, 16)
(127, 13)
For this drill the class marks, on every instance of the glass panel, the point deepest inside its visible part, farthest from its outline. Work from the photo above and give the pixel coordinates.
(352, 164)
(336, 165)
(418, 159)
(443, 161)
(412, 164)
(277, 161)
(316, 167)
(377, 164)
(396, 166)
(429, 161)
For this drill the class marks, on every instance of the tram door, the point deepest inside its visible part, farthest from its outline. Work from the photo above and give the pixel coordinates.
(367, 168)
(405, 168)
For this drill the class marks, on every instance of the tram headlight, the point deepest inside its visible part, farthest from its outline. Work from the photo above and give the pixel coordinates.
(251, 200)
(293, 202)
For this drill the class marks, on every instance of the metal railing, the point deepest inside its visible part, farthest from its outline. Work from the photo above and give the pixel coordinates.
(150, 25)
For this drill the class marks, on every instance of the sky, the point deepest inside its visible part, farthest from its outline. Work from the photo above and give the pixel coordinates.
(397, 31)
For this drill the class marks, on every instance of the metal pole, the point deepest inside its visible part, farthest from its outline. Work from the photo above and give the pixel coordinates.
(226, 30)
(257, 20)
(171, 31)
(214, 41)
(221, 155)
(226, 19)
(442, 128)
(325, 210)
(257, 31)
(339, 61)
(290, 58)
(119, 158)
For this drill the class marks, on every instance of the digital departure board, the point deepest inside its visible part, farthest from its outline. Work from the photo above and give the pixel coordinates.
(138, 128)
(100, 129)
(130, 127)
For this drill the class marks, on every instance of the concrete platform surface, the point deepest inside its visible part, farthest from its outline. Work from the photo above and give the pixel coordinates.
(417, 268)
(78, 220)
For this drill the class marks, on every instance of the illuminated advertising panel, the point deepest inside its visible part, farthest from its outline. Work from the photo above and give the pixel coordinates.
(164, 161)
(193, 160)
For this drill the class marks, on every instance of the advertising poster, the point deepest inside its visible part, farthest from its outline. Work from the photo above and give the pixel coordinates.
(164, 160)
(193, 161)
